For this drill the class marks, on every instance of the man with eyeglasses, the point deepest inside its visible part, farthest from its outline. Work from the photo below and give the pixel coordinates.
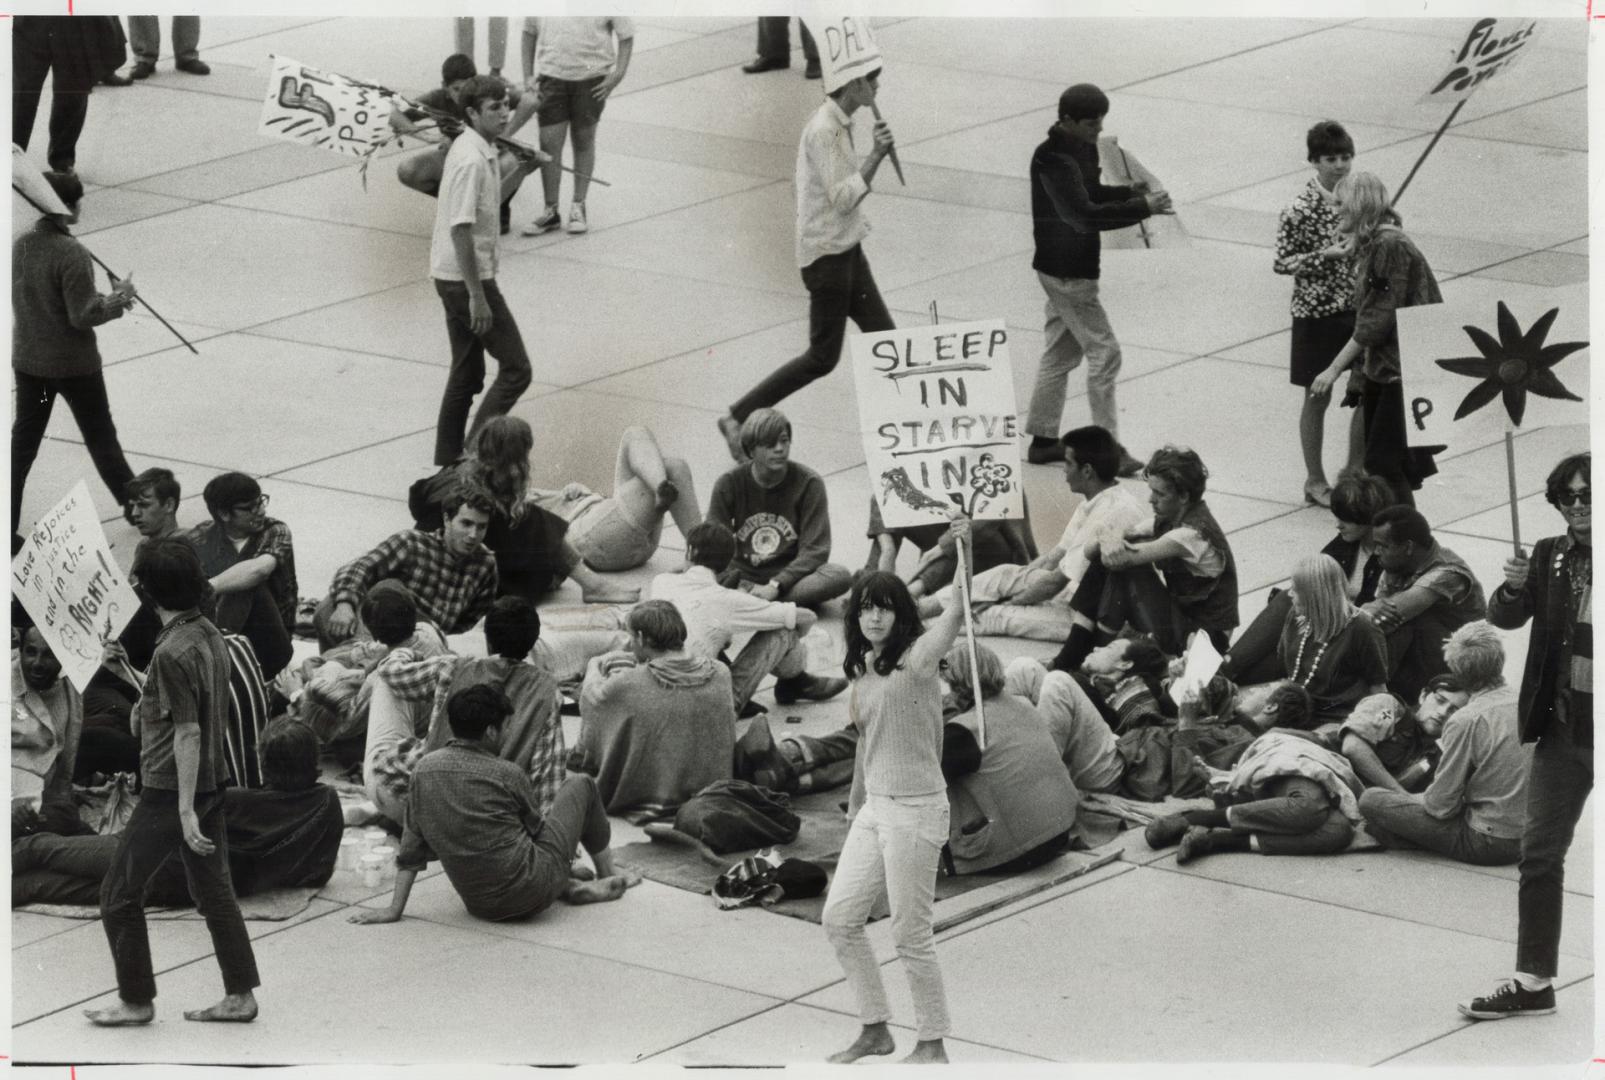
(1556, 708)
(250, 560)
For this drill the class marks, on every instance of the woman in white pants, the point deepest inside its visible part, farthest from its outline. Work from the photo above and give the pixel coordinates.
(898, 805)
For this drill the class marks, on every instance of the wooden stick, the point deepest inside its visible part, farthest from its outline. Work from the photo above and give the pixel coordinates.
(969, 639)
(1397, 195)
(897, 166)
(114, 277)
(1510, 473)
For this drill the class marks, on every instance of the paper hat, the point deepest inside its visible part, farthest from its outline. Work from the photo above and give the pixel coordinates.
(847, 47)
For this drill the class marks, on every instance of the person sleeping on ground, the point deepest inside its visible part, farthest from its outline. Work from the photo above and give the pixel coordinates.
(1395, 747)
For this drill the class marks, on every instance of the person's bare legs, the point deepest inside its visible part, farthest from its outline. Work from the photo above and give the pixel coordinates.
(610, 883)
(874, 1040)
(646, 483)
(233, 1009)
(927, 1052)
(552, 136)
(594, 588)
(584, 140)
(122, 1014)
(1311, 438)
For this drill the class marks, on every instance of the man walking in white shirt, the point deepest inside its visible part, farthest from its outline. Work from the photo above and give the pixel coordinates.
(831, 185)
(713, 614)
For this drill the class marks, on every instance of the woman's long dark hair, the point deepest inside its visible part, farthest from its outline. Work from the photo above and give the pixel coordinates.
(881, 590)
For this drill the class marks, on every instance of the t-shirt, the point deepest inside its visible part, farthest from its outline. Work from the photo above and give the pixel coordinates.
(470, 194)
(188, 683)
(1342, 672)
(1391, 730)
(1200, 556)
(577, 47)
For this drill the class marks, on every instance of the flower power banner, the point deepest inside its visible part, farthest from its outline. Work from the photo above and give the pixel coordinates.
(324, 109)
(67, 580)
(1490, 47)
(1474, 369)
(936, 410)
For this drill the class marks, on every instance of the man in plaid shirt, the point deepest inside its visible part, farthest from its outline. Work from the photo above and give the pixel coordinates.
(531, 737)
(450, 574)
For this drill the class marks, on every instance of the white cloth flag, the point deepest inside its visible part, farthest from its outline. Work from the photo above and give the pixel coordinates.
(1473, 369)
(324, 109)
(67, 580)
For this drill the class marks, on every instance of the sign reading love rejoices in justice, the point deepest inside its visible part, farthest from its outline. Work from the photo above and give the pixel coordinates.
(936, 409)
(66, 579)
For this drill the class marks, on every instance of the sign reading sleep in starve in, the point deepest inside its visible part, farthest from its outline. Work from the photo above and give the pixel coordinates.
(324, 109)
(67, 580)
(1490, 47)
(936, 409)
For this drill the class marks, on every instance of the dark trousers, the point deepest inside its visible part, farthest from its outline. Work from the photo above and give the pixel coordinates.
(1113, 598)
(152, 835)
(774, 39)
(1253, 658)
(86, 397)
(1386, 448)
(576, 816)
(1557, 788)
(840, 287)
(467, 375)
(50, 869)
(254, 615)
(105, 750)
(1297, 819)
(33, 55)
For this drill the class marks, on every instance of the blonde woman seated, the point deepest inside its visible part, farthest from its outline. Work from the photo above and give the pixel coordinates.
(1329, 646)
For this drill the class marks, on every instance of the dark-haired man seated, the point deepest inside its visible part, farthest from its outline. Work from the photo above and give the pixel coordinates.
(284, 836)
(450, 574)
(250, 560)
(1426, 593)
(476, 813)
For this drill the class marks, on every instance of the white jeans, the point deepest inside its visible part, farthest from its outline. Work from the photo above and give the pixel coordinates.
(893, 849)
(1076, 326)
(1090, 750)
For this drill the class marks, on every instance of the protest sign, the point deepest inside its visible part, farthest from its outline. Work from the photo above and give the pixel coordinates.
(1120, 168)
(847, 47)
(1473, 369)
(30, 182)
(325, 109)
(66, 579)
(1489, 48)
(936, 410)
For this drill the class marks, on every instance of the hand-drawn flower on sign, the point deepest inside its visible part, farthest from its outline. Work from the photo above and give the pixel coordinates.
(1514, 366)
(988, 479)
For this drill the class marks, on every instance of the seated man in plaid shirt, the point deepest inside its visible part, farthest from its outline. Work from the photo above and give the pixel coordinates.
(450, 573)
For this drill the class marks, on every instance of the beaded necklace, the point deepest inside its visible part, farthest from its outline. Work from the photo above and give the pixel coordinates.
(187, 617)
(1304, 639)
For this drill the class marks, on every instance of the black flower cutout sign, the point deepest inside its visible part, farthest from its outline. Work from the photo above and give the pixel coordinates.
(1514, 366)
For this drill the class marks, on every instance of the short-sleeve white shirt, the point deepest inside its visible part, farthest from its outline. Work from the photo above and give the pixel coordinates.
(470, 194)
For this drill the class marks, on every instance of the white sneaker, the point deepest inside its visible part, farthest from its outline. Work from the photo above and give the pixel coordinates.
(576, 218)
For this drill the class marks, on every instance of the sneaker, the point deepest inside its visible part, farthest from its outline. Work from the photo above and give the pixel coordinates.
(142, 70)
(1511, 999)
(576, 219)
(193, 67)
(807, 688)
(548, 221)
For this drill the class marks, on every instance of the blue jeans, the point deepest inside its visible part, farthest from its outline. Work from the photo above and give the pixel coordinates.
(1557, 788)
(152, 835)
(467, 376)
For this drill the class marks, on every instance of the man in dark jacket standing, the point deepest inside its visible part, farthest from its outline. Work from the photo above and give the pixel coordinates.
(1069, 207)
(1555, 590)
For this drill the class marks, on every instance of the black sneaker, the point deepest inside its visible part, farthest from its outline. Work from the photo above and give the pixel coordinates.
(1045, 451)
(1129, 466)
(807, 688)
(1511, 999)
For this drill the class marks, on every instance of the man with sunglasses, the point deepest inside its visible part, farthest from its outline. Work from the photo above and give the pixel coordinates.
(1556, 708)
(250, 560)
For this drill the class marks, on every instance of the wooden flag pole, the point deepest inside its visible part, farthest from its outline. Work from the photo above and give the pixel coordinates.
(1510, 473)
(1461, 104)
(114, 277)
(892, 153)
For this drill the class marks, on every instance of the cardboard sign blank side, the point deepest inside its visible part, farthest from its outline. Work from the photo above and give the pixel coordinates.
(26, 178)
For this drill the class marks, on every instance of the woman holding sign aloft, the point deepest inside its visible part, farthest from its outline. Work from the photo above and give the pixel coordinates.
(898, 804)
(831, 186)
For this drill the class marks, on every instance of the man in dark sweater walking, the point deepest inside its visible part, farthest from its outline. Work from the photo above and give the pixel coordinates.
(1069, 207)
(54, 311)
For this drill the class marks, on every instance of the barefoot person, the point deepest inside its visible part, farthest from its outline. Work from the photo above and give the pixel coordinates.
(475, 812)
(180, 720)
(898, 807)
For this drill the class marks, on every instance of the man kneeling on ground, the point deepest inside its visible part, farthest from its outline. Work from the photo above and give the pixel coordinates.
(476, 813)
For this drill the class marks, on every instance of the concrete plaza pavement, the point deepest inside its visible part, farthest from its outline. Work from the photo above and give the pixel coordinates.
(322, 356)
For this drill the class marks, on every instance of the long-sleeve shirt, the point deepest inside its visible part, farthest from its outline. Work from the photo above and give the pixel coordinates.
(782, 532)
(54, 305)
(1308, 225)
(830, 189)
(714, 614)
(452, 592)
(1483, 774)
(1069, 206)
(45, 728)
(1392, 274)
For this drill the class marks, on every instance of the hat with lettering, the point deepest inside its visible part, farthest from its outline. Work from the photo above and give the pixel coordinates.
(847, 48)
